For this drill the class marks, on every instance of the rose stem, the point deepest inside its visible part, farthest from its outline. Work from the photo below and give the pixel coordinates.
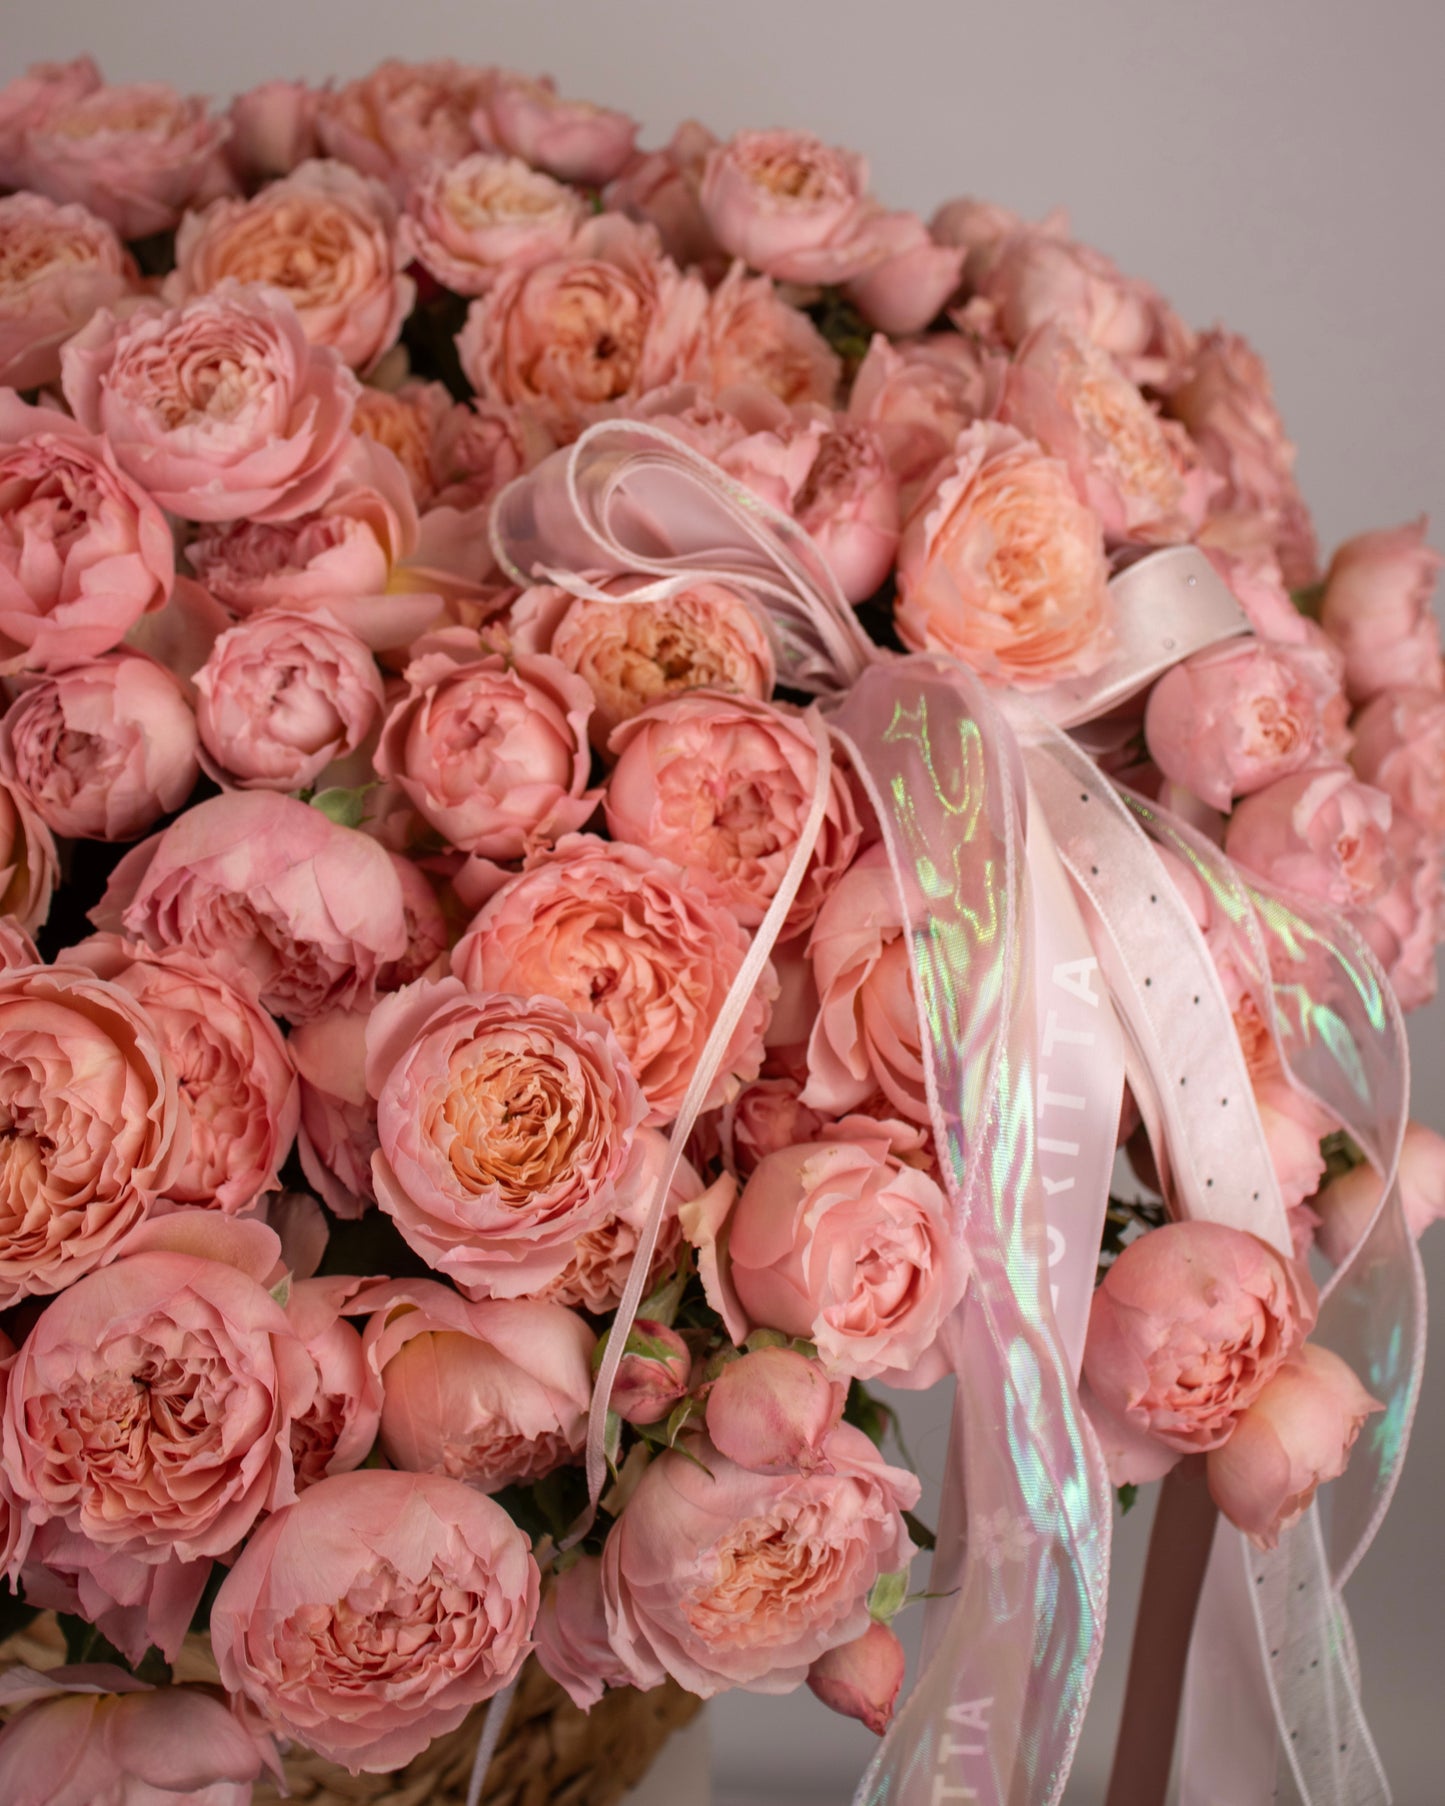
(1173, 1578)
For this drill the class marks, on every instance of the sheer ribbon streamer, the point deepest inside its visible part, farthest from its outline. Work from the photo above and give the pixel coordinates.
(1034, 990)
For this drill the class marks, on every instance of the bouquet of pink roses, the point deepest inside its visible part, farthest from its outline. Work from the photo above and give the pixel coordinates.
(621, 773)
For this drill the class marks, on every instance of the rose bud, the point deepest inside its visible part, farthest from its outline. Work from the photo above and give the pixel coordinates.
(772, 1410)
(862, 1679)
(1296, 1434)
(1347, 1203)
(653, 1373)
(1376, 607)
(1190, 1324)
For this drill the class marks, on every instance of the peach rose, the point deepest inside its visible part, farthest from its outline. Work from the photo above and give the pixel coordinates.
(230, 1062)
(494, 1393)
(838, 1242)
(96, 1129)
(57, 266)
(29, 863)
(1231, 720)
(325, 237)
(150, 1407)
(765, 1116)
(281, 697)
(866, 1035)
(571, 139)
(572, 1642)
(1376, 606)
(311, 911)
(757, 340)
(918, 397)
(507, 1127)
(402, 118)
(1346, 1205)
(491, 751)
(96, 1736)
(579, 336)
(136, 156)
(133, 1603)
(84, 551)
(405, 421)
(476, 450)
(220, 408)
(661, 188)
(849, 506)
(1003, 567)
(1404, 924)
(442, 1580)
(336, 1431)
(1136, 471)
(633, 654)
(467, 222)
(1189, 1326)
(1294, 1126)
(862, 1679)
(616, 930)
(773, 1410)
(1400, 749)
(25, 101)
(273, 128)
(909, 278)
(722, 1578)
(337, 1134)
(722, 785)
(104, 750)
(17, 948)
(1228, 405)
(1320, 832)
(1296, 1435)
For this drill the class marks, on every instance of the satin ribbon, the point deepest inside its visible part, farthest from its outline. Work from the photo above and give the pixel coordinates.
(1011, 1655)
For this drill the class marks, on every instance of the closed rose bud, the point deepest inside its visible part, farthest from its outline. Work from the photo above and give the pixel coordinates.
(772, 1411)
(862, 1679)
(1296, 1434)
(653, 1373)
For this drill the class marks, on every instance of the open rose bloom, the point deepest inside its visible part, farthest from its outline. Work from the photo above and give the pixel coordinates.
(480, 1013)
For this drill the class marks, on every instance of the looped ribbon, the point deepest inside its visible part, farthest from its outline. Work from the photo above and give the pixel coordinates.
(1050, 952)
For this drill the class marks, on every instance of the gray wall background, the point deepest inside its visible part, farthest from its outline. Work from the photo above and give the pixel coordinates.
(1275, 164)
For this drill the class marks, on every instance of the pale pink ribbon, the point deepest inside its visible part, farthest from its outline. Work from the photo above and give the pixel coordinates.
(630, 499)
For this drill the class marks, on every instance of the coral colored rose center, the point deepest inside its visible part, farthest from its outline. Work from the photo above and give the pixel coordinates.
(768, 1577)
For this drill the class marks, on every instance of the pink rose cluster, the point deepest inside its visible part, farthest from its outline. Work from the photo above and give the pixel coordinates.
(351, 1071)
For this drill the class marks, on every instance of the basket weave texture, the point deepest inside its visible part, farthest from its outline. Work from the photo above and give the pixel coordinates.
(550, 1754)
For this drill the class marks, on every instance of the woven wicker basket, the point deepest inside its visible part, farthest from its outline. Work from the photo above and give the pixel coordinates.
(550, 1753)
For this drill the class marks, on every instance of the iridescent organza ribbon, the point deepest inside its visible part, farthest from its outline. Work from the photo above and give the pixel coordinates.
(1023, 1556)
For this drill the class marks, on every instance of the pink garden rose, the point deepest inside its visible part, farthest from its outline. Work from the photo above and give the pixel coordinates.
(397, 121)
(96, 1129)
(615, 929)
(96, 1736)
(104, 749)
(773, 1410)
(1003, 567)
(1400, 749)
(29, 863)
(325, 236)
(848, 505)
(634, 654)
(1320, 832)
(584, 334)
(236, 1079)
(219, 408)
(756, 339)
(661, 188)
(765, 1116)
(1132, 468)
(136, 156)
(1376, 607)
(1403, 925)
(442, 1578)
(494, 1392)
(134, 1603)
(1346, 1205)
(281, 697)
(273, 128)
(337, 1134)
(467, 222)
(24, 102)
(84, 552)
(572, 1641)
(918, 397)
(865, 1037)
(722, 785)
(506, 1127)
(476, 449)
(1228, 405)
(491, 751)
(1297, 1434)
(910, 278)
(840, 1243)
(57, 266)
(571, 139)
(336, 1431)
(722, 1578)
(862, 1679)
(406, 421)
(17, 948)
(311, 911)
(1190, 1324)
(150, 1407)
(1231, 720)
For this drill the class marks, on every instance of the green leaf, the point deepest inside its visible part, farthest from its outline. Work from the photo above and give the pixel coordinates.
(678, 1417)
(886, 1597)
(919, 1531)
(865, 1413)
(15, 1614)
(1308, 600)
(612, 1441)
(1127, 1495)
(347, 808)
(281, 1291)
(662, 1305)
(766, 1338)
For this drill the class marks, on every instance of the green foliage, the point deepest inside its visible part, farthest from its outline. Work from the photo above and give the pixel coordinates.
(1128, 1494)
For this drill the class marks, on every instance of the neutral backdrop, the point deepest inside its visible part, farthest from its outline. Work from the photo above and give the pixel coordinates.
(1275, 164)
